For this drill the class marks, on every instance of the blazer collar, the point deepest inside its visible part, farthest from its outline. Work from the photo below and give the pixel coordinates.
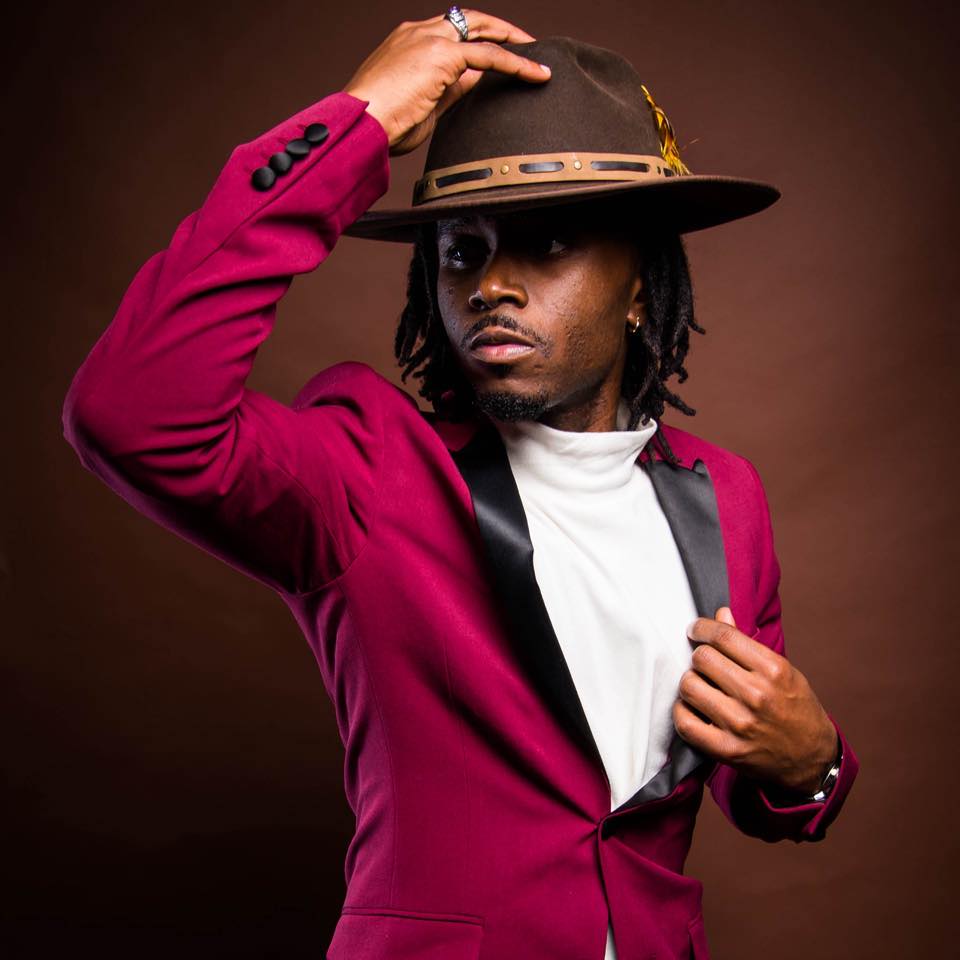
(687, 497)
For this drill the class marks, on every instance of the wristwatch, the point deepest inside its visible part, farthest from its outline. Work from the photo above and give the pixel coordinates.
(831, 777)
(789, 798)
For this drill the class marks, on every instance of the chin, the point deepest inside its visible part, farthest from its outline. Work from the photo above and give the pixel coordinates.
(510, 405)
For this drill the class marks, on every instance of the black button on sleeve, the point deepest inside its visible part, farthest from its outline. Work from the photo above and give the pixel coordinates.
(298, 148)
(263, 178)
(281, 162)
(316, 133)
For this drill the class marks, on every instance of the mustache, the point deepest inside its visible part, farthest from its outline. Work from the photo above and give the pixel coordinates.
(500, 320)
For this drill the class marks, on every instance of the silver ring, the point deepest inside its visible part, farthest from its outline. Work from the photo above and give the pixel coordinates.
(456, 17)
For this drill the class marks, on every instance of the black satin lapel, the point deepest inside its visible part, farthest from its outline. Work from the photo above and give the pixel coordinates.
(503, 526)
(689, 502)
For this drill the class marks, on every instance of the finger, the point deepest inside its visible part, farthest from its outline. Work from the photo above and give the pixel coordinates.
(716, 705)
(711, 739)
(488, 56)
(725, 615)
(725, 674)
(731, 642)
(484, 26)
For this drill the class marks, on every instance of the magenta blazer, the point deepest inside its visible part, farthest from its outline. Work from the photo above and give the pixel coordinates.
(399, 543)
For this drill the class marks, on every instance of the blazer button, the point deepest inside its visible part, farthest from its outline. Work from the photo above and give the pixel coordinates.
(316, 133)
(263, 178)
(298, 148)
(281, 162)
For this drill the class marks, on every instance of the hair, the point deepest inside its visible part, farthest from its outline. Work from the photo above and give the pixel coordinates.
(654, 354)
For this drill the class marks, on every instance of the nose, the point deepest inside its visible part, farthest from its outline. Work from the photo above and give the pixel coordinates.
(499, 280)
(477, 302)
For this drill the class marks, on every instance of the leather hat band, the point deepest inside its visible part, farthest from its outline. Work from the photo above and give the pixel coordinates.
(537, 168)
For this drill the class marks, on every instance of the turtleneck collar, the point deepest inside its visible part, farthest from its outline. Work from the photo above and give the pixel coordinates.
(572, 459)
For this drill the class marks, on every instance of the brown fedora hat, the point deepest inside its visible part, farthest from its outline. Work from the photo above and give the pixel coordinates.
(591, 131)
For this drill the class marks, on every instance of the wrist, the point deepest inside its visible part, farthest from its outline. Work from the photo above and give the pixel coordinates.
(810, 792)
(828, 757)
(372, 109)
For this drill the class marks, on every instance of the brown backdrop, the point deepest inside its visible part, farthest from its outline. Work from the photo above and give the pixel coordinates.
(172, 766)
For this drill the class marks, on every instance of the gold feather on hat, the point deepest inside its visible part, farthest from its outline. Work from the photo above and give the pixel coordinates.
(668, 140)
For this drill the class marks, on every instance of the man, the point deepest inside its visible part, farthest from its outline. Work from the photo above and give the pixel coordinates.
(501, 593)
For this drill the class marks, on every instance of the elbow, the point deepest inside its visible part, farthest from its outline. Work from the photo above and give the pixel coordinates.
(83, 424)
(95, 418)
(119, 442)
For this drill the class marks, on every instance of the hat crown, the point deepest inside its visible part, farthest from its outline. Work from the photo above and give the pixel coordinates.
(589, 133)
(593, 101)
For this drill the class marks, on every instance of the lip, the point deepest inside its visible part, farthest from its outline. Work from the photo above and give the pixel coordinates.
(499, 345)
(501, 352)
(497, 335)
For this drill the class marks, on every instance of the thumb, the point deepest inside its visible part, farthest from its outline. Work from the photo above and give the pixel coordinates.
(725, 615)
(457, 90)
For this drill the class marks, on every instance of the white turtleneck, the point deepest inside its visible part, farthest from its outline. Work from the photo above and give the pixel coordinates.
(613, 583)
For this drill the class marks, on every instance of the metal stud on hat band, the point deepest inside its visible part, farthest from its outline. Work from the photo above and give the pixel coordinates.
(456, 16)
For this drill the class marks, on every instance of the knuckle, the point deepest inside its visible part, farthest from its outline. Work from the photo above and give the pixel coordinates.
(734, 749)
(777, 671)
(755, 697)
(743, 724)
(726, 633)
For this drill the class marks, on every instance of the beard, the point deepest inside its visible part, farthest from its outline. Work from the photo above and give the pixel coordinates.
(505, 405)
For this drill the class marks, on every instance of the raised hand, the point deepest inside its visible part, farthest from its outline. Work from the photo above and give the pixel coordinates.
(423, 67)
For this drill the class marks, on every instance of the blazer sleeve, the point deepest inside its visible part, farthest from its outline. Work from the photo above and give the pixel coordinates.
(160, 411)
(741, 798)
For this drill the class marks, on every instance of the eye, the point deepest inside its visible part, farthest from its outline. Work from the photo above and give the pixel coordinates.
(546, 241)
(462, 249)
(549, 242)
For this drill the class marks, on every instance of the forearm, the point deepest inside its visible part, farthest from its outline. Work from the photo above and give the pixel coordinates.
(746, 803)
(163, 389)
(160, 410)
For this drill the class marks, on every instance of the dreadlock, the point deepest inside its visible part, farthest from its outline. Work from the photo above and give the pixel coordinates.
(654, 354)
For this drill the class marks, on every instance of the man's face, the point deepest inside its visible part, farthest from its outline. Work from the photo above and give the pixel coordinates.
(564, 280)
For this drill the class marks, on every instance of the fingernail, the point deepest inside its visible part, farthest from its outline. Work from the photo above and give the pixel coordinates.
(544, 67)
(690, 628)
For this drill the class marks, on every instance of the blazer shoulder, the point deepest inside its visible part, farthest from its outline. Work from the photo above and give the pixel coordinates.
(355, 384)
(724, 464)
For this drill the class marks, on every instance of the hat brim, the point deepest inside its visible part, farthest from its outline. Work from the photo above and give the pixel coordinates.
(677, 204)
